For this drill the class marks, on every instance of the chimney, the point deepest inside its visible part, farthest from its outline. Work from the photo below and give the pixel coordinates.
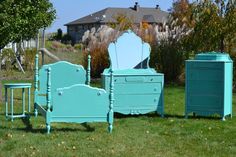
(157, 7)
(136, 6)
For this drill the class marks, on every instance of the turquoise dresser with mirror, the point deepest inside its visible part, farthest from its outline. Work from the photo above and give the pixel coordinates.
(138, 89)
(209, 85)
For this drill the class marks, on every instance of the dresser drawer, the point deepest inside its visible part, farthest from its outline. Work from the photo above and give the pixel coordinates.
(138, 88)
(137, 79)
(137, 101)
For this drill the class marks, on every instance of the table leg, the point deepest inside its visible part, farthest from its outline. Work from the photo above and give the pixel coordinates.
(29, 100)
(6, 102)
(23, 101)
(11, 97)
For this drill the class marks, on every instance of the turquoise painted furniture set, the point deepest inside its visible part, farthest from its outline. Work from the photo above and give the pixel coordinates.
(209, 85)
(63, 92)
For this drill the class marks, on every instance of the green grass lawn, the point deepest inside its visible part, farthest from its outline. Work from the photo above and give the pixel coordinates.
(147, 135)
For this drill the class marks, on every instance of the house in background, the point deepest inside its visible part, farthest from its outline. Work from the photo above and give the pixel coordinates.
(137, 14)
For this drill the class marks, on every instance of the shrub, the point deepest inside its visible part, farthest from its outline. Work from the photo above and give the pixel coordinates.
(29, 58)
(66, 39)
(167, 54)
(55, 46)
(233, 57)
(69, 48)
(99, 60)
(97, 43)
(8, 56)
(78, 47)
(170, 60)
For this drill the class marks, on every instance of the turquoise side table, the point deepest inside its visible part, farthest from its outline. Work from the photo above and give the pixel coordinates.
(11, 87)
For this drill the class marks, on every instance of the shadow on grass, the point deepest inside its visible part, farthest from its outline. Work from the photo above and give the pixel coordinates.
(155, 115)
(194, 117)
(29, 128)
(121, 116)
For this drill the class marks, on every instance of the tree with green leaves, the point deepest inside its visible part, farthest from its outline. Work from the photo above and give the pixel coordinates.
(22, 19)
(213, 23)
(182, 12)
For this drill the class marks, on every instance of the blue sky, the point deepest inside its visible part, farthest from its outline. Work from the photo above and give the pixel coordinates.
(69, 10)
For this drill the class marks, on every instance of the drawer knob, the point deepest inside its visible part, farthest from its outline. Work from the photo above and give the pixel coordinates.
(60, 93)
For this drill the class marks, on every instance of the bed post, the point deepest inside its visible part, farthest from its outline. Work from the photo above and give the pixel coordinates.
(111, 112)
(48, 119)
(36, 80)
(89, 70)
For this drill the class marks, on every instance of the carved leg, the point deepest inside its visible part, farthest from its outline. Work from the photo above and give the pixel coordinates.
(186, 115)
(48, 127)
(110, 121)
(223, 118)
(162, 115)
(110, 128)
(35, 111)
(161, 112)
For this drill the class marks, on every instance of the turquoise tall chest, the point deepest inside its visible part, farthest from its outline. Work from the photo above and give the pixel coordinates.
(209, 85)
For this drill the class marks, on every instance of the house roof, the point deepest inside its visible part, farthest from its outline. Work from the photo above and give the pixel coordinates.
(150, 15)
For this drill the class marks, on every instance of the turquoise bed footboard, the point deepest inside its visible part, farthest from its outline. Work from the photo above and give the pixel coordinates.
(80, 103)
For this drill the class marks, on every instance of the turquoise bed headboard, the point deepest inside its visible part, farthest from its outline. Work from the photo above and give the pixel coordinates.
(63, 74)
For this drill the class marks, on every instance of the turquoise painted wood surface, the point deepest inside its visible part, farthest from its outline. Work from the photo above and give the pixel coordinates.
(91, 105)
(64, 74)
(64, 96)
(12, 87)
(138, 89)
(87, 105)
(209, 85)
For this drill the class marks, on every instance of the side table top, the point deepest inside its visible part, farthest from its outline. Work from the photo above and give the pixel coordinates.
(17, 85)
